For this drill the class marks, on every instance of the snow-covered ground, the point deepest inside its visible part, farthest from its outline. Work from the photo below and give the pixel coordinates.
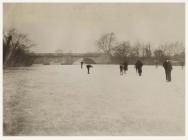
(65, 100)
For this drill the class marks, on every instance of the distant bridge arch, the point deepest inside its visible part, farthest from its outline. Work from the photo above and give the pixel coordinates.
(86, 60)
(69, 58)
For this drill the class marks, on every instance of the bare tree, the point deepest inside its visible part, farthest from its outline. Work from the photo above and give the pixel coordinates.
(147, 50)
(122, 49)
(166, 48)
(159, 55)
(177, 48)
(106, 43)
(135, 51)
(171, 49)
(15, 45)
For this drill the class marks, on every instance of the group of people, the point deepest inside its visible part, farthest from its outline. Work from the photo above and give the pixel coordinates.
(138, 66)
(124, 67)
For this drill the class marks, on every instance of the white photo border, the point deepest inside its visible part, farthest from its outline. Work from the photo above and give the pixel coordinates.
(91, 137)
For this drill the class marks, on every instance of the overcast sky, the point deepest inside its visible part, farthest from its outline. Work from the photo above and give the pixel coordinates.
(76, 27)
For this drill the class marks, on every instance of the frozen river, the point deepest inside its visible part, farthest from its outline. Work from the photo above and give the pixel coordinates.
(65, 100)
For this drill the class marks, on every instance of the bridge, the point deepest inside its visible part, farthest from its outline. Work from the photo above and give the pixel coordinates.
(69, 58)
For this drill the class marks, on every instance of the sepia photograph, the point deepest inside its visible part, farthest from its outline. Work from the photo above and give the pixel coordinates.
(93, 69)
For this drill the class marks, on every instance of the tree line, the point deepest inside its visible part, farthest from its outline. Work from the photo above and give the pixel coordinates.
(119, 51)
(16, 49)
(16, 52)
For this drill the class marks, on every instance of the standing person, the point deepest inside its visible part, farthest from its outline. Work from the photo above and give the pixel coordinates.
(81, 64)
(139, 65)
(88, 68)
(125, 66)
(168, 68)
(121, 69)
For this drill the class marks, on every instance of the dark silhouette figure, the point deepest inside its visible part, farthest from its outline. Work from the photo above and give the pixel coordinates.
(168, 68)
(81, 64)
(125, 66)
(121, 69)
(88, 68)
(139, 65)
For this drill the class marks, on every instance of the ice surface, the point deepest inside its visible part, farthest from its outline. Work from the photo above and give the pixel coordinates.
(65, 100)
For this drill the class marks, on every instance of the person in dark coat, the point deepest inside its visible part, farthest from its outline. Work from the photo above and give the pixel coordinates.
(88, 68)
(125, 66)
(81, 64)
(139, 65)
(121, 69)
(168, 68)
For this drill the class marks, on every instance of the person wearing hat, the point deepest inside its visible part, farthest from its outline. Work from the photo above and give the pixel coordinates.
(168, 68)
